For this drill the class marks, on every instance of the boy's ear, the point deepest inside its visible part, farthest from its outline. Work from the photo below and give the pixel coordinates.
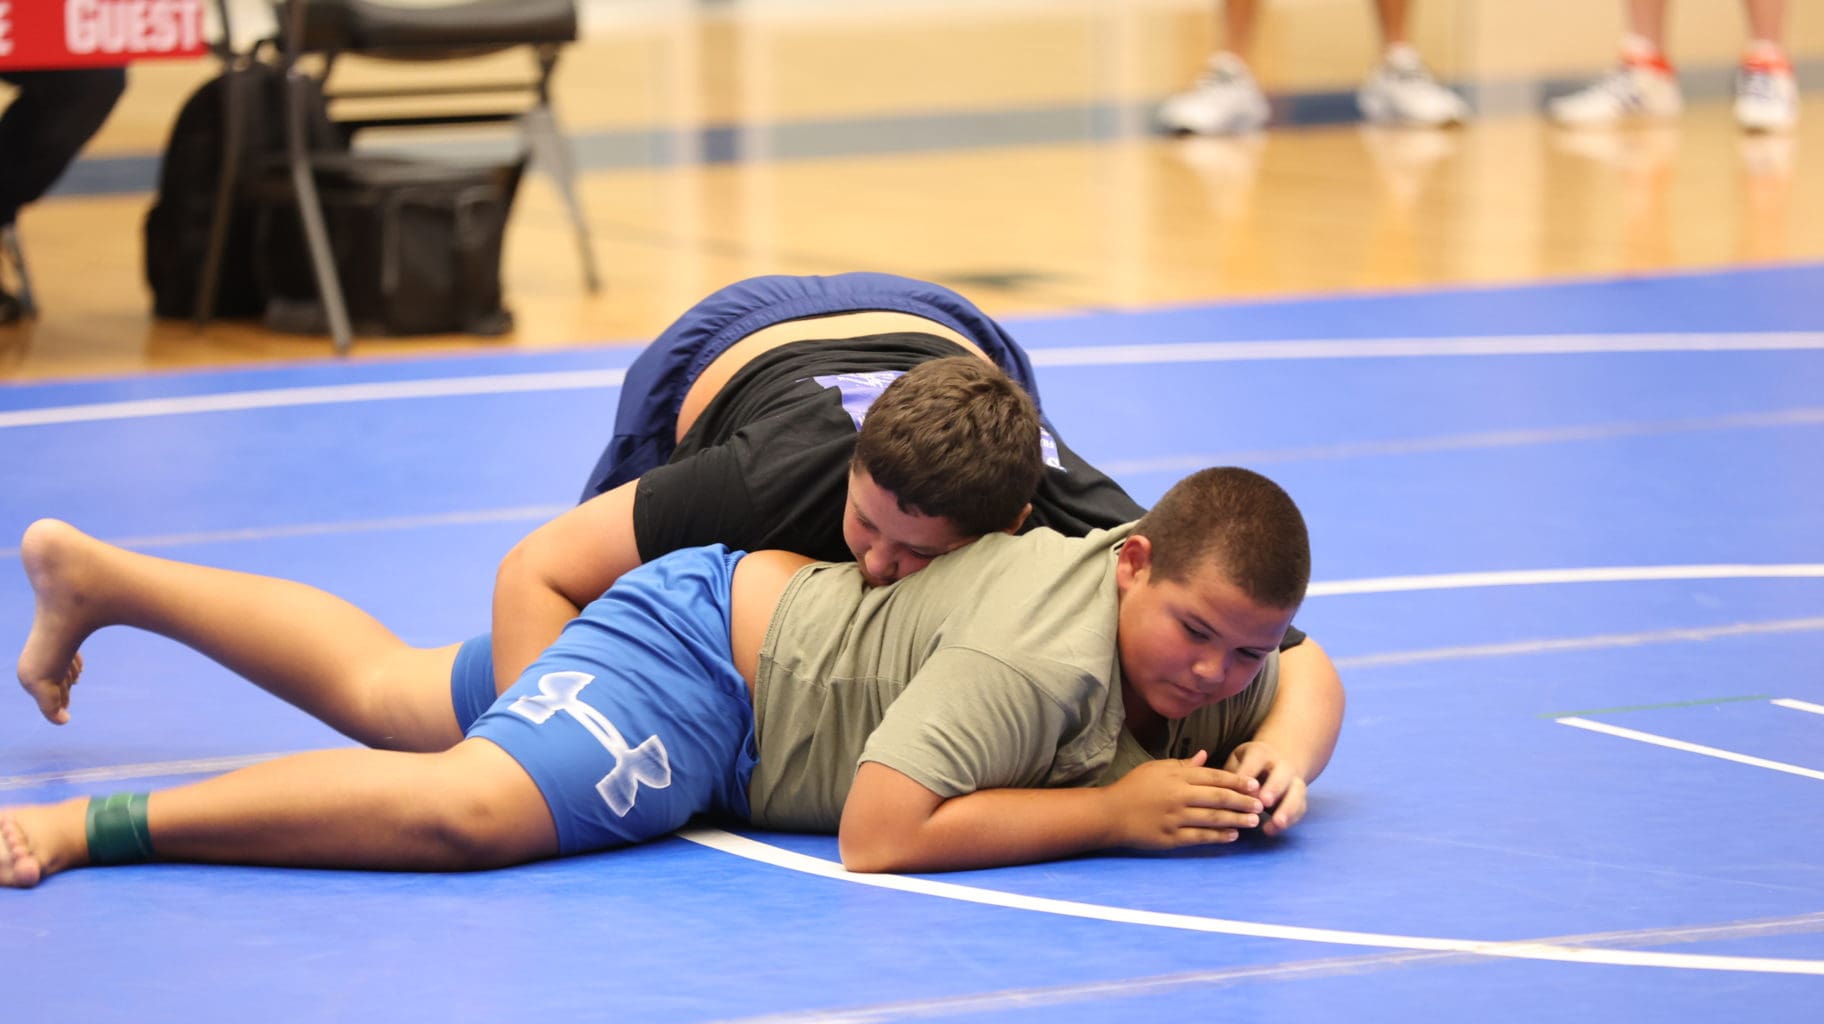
(1135, 558)
(1020, 520)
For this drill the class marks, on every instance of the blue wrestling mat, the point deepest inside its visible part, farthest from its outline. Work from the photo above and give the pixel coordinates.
(1569, 552)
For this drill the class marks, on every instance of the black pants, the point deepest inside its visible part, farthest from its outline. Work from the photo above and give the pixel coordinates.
(54, 115)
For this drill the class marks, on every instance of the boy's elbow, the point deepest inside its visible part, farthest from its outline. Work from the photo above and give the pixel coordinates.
(529, 563)
(885, 822)
(869, 856)
(513, 564)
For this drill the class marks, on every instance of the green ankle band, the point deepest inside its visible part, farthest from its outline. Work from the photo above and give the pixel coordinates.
(118, 833)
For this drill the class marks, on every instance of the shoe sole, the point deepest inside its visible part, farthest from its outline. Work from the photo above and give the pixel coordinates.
(1243, 126)
(1382, 112)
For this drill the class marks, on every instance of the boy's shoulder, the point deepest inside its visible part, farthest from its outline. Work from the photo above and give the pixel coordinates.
(1040, 590)
(1043, 549)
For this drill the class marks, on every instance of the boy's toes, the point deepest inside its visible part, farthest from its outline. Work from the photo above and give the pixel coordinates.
(19, 869)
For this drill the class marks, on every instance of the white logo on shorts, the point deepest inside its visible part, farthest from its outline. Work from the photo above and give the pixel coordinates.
(645, 764)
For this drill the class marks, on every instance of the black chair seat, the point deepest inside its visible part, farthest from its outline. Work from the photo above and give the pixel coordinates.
(377, 29)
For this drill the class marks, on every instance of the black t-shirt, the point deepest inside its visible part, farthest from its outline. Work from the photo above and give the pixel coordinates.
(766, 464)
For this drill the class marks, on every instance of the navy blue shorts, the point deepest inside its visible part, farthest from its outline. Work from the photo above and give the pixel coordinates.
(646, 421)
(635, 720)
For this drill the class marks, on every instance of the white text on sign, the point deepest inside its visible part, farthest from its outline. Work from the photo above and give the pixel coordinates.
(132, 26)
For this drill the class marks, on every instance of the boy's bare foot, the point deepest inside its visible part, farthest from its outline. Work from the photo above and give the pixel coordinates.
(19, 867)
(54, 555)
(30, 838)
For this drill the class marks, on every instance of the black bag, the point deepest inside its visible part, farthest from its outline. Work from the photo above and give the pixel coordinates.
(177, 227)
(416, 244)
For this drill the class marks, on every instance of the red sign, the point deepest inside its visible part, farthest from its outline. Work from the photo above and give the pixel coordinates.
(90, 33)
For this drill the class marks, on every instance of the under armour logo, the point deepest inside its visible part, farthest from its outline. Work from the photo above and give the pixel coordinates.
(645, 764)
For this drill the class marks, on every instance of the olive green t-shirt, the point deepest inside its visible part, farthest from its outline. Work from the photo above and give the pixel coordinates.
(996, 666)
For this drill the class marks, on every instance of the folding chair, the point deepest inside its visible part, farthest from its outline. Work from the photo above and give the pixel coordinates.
(368, 30)
(12, 252)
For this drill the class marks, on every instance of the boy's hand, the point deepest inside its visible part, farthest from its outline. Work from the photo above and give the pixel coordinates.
(1282, 789)
(1165, 804)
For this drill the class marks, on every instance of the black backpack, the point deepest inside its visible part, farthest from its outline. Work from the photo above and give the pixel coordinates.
(416, 244)
(177, 227)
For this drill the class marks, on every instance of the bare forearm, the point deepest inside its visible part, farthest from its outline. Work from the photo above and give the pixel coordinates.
(1307, 712)
(991, 828)
(529, 613)
(891, 823)
(554, 571)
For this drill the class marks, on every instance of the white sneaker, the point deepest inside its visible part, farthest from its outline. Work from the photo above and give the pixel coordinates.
(1766, 96)
(1630, 91)
(1225, 101)
(1402, 91)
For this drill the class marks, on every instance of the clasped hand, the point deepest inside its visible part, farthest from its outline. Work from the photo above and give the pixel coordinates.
(1170, 803)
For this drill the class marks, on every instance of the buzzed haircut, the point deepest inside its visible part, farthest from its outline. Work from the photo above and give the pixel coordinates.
(955, 438)
(1238, 521)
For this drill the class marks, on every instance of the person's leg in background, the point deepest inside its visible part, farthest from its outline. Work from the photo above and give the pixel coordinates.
(1643, 86)
(1225, 100)
(1401, 90)
(1766, 93)
(53, 116)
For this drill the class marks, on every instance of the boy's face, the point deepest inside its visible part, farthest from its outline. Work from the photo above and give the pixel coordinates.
(1188, 644)
(888, 543)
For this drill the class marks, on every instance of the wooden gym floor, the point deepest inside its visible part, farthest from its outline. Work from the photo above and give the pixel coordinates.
(1006, 149)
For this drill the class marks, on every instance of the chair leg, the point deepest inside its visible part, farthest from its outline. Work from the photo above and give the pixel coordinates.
(15, 254)
(551, 151)
(310, 210)
(234, 115)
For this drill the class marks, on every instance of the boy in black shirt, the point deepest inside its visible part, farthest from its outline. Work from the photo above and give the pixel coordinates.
(736, 426)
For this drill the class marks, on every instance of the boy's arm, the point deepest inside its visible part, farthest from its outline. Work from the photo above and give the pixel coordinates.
(554, 571)
(1298, 735)
(892, 823)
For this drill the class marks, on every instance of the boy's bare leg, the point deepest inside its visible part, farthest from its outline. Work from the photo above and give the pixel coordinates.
(467, 808)
(303, 645)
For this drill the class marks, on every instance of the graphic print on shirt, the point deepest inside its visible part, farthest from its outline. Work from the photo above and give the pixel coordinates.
(859, 390)
(645, 764)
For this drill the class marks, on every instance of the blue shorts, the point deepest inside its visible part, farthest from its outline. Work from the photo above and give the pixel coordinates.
(635, 720)
(472, 688)
(646, 421)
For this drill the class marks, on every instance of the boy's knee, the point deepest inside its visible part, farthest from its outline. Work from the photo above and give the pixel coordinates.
(485, 811)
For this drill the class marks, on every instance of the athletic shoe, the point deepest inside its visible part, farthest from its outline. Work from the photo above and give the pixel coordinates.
(1401, 91)
(1636, 89)
(1766, 95)
(1225, 101)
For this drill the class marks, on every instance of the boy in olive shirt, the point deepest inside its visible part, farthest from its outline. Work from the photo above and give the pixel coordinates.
(988, 710)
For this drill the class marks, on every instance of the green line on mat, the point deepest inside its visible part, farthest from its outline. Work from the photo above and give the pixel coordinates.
(1654, 707)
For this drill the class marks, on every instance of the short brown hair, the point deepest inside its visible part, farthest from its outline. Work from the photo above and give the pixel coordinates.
(1240, 522)
(954, 438)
